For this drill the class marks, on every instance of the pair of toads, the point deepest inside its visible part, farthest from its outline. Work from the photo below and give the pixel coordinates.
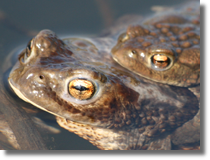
(140, 90)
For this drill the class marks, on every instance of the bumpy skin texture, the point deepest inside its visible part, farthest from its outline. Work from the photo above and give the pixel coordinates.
(125, 111)
(175, 35)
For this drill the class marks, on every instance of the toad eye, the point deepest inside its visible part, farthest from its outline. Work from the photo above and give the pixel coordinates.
(24, 56)
(160, 61)
(28, 48)
(123, 37)
(81, 89)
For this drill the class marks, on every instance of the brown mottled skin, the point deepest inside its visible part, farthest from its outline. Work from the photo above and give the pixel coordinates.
(125, 112)
(176, 36)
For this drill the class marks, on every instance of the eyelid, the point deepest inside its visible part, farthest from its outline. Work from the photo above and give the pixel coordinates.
(21, 57)
(123, 37)
(21, 54)
(164, 50)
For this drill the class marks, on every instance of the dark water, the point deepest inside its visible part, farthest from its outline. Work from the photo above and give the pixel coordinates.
(20, 19)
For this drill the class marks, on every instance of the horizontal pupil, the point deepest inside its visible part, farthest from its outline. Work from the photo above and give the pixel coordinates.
(80, 88)
(160, 61)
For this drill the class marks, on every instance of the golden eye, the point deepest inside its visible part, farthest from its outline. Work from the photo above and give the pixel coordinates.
(81, 89)
(160, 61)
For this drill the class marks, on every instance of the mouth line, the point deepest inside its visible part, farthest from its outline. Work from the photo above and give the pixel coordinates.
(24, 98)
(21, 96)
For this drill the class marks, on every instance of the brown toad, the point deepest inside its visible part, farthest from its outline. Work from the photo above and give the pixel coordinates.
(166, 49)
(96, 98)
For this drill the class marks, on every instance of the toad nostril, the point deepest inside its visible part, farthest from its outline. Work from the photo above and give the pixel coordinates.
(41, 77)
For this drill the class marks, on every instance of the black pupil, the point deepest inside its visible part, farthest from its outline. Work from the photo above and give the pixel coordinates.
(161, 61)
(28, 49)
(80, 88)
(29, 45)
